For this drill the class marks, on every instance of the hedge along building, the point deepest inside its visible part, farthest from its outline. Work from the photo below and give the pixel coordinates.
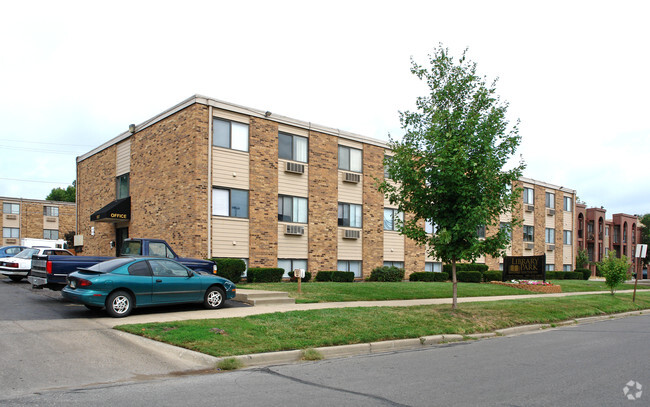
(216, 179)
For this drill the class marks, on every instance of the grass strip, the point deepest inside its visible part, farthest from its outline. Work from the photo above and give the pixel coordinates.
(329, 327)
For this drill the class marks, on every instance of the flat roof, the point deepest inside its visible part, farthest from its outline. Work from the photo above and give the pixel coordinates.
(41, 201)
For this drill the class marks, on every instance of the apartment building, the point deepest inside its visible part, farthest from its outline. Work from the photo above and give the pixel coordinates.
(36, 219)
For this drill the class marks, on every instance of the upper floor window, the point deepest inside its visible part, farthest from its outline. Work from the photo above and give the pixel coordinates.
(508, 229)
(390, 218)
(480, 232)
(122, 186)
(386, 166)
(52, 234)
(350, 159)
(50, 211)
(350, 215)
(11, 208)
(568, 204)
(8, 233)
(550, 235)
(529, 233)
(230, 202)
(550, 200)
(292, 209)
(529, 196)
(430, 227)
(229, 134)
(568, 237)
(292, 147)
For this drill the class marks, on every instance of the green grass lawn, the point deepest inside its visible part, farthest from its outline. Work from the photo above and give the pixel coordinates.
(375, 291)
(328, 327)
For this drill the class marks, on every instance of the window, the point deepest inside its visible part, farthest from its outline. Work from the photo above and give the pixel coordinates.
(386, 166)
(550, 236)
(229, 134)
(11, 208)
(291, 264)
(390, 219)
(529, 196)
(568, 204)
(529, 233)
(166, 268)
(505, 226)
(433, 267)
(52, 234)
(159, 249)
(607, 231)
(230, 202)
(292, 147)
(500, 266)
(566, 267)
(349, 159)
(550, 267)
(140, 268)
(480, 232)
(50, 211)
(292, 209)
(350, 215)
(122, 186)
(8, 233)
(568, 237)
(430, 228)
(398, 264)
(350, 265)
(550, 200)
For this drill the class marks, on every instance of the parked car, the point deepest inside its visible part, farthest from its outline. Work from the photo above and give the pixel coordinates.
(11, 251)
(124, 283)
(18, 267)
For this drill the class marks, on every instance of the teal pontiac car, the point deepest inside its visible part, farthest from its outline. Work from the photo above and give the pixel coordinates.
(121, 284)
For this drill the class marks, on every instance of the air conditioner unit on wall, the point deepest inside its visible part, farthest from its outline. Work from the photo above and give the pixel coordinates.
(550, 247)
(529, 208)
(294, 168)
(11, 217)
(352, 177)
(351, 234)
(529, 246)
(294, 230)
(550, 212)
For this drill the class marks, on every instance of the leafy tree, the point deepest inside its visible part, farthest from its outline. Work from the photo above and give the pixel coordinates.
(614, 269)
(64, 195)
(645, 235)
(582, 259)
(448, 169)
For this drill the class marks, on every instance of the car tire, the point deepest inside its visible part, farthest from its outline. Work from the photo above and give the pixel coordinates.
(119, 304)
(215, 297)
(16, 279)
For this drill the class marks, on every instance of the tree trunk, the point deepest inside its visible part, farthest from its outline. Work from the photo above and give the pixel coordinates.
(454, 303)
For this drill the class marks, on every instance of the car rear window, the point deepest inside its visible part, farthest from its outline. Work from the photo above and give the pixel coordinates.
(108, 265)
(26, 254)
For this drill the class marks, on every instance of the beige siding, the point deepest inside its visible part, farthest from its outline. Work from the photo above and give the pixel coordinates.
(292, 247)
(393, 246)
(222, 114)
(567, 254)
(350, 192)
(51, 222)
(350, 143)
(230, 237)
(387, 203)
(292, 184)
(230, 168)
(349, 249)
(568, 220)
(282, 128)
(529, 218)
(11, 221)
(123, 161)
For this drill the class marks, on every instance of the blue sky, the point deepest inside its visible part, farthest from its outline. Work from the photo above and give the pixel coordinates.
(75, 74)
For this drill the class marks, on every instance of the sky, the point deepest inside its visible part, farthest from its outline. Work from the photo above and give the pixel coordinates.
(75, 74)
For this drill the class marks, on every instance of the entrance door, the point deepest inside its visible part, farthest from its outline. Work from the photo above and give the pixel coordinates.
(120, 235)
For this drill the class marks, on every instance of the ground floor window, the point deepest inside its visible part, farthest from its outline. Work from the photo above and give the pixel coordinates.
(500, 266)
(350, 265)
(398, 264)
(291, 264)
(50, 234)
(10, 233)
(567, 267)
(550, 267)
(433, 267)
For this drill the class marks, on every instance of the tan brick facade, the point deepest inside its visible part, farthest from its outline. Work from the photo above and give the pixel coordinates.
(31, 221)
(373, 210)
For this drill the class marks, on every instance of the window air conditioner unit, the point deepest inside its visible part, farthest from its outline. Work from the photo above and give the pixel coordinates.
(11, 241)
(550, 212)
(550, 247)
(294, 230)
(530, 208)
(295, 168)
(48, 219)
(351, 234)
(12, 217)
(352, 177)
(529, 246)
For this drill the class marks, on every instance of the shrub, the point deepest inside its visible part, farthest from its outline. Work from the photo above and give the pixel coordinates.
(586, 273)
(422, 276)
(387, 274)
(492, 275)
(343, 276)
(555, 275)
(573, 275)
(324, 276)
(614, 270)
(264, 275)
(466, 267)
(305, 279)
(231, 269)
(468, 276)
(440, 277)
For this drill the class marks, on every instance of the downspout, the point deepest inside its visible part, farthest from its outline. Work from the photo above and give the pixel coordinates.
(209, 209)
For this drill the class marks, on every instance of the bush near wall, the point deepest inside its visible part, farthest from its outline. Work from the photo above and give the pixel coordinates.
(555, 275)
(492, 275)
(231, 269)
(387, 274)
(573, 275)
(335, 276)
(469, 276)
(466, 267)
(305, 279)
(586, 273)
(264, 275)
(429, 276)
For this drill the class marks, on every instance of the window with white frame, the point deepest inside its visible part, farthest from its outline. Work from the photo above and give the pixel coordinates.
(291, 264)
(10, 233)
(228, 134)
(568, 204)
(566, 267)
(350, 215)
(550, 235)
(391, 218)
(350, 265)
(52, 234)
(291, 147)
(398, 264)
(230, 202)
(568, 237)
(350, 159)
(529, 233)
(292, 209)
(11, 208)
(550, 200)
(529, 196)
(51, 211)
(433, 267)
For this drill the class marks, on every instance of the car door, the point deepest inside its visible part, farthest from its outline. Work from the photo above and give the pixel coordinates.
(174, 283)
(140, 281)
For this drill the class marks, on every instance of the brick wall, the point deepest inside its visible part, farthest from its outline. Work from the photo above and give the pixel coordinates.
(323, 202)
(66, 219)
(31, 220)
(373, 209)
(263, 211)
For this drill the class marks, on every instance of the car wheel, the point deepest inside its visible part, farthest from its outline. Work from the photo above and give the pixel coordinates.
(16, 279)
(119, 304)
(214, 298)
(92, 307)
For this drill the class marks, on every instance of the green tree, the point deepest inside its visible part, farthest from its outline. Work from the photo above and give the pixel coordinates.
(645, 235)
(582, 259)
(615, 270)
(448, 169)
(64, 195)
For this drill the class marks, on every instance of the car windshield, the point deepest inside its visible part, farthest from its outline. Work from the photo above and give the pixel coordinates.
(108, 266)
(26, 254)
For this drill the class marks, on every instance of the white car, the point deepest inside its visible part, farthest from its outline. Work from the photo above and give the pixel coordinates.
(17, 267)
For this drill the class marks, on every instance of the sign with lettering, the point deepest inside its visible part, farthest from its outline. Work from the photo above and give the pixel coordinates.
(524, 268)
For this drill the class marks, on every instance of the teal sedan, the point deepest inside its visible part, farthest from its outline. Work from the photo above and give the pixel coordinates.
(121, 284)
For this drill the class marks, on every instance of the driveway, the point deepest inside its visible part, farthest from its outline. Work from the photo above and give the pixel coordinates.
(48, 343)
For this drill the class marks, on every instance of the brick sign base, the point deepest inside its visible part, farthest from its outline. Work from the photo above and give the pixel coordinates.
(546, 289)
